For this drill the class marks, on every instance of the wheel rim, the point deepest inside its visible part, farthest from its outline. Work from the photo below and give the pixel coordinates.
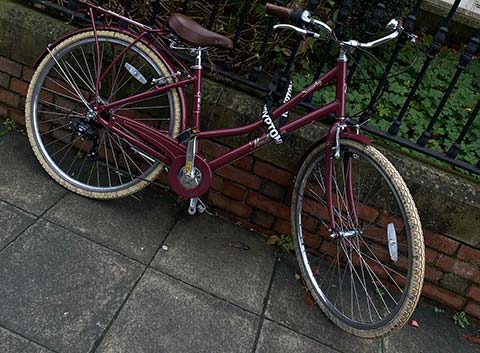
(60, 101)
(353, 273)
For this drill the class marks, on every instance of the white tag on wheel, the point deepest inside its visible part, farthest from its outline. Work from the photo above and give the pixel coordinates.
(392, 242)
(135, 73)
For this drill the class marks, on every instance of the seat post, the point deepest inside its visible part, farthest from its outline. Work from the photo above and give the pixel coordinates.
(197, 88)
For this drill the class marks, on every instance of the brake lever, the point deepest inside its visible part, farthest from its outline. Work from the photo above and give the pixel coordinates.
(298, 30)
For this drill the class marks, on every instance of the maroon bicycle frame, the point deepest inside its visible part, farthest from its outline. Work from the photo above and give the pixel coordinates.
(161, 146)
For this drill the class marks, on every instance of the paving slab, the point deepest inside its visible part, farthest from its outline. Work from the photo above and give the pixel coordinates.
(60, 289)
(275, 338)
(12, 343)
(134, 226)
(24, 183)
(166, 315)
(286, 305)
(437, 333)
(13, 221)
(219, 257)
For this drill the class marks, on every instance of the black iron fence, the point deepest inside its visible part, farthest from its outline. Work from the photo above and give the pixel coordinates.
(236, 15)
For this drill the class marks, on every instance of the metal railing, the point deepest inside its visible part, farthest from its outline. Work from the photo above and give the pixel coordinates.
(160, 8)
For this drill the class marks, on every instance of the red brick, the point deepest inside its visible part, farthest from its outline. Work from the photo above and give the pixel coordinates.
(233, 190)
(244, 163)
(45, 96)
(431, 255)
(367, 213)
(227, 204)
(272, 173)
(263, 219)
(459, 268)
(432, 274)
(17, 115)
(225, 214)
(3, 111)
(10, 67)
(474, 292)
(217, 183)
(27, 74)
(314, 209)
(282, 227)
(19, 86)
(385, 219)
(442, 296)
(312, 241)
(273, 190)
(473, 309)
(9, 98)
(62, 88)
(240, 176)
(440, 242)
(308, 222)
(268, 205)
(212, 148)
(469, 254)
(377, 234)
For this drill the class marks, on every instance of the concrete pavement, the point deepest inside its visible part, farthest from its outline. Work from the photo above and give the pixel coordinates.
(136, 275)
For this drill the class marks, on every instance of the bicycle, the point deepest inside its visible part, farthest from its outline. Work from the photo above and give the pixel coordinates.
(106, 113)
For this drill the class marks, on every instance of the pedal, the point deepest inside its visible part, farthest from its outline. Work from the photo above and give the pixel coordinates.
(196, 205)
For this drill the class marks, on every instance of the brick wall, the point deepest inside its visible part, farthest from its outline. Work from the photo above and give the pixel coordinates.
(254, 193)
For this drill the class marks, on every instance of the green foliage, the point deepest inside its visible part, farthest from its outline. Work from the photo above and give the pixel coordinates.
(453, 116)
(286, 243)
(460, 319)
(278, 51)
(7, 126)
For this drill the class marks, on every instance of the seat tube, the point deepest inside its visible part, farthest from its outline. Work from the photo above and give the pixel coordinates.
(197, 89)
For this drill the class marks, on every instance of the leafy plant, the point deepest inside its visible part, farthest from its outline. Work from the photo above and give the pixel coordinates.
(460, 319)
(8, 125)
(286, 243)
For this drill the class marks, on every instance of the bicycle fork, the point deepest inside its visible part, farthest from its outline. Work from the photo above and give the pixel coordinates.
(333, 153)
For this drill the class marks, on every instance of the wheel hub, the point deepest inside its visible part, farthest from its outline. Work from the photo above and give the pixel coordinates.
(349, 233)
(84, 128)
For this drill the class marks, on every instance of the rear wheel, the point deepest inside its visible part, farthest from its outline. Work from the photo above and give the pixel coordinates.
(366, 275)
(80, 154)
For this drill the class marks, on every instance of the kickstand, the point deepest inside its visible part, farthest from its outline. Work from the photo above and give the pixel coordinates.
(196, 205)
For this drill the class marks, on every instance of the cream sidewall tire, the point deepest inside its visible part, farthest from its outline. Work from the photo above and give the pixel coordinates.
(176, 116)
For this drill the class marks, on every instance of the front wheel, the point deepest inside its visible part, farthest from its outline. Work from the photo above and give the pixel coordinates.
(367, 273)
(77, 152)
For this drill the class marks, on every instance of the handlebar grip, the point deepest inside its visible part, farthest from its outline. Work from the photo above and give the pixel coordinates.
(279, 11)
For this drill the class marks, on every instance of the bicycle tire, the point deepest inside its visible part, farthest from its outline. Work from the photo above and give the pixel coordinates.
(64, 84)
(362, 252)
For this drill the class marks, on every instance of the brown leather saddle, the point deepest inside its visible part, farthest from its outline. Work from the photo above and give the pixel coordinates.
(192, 32)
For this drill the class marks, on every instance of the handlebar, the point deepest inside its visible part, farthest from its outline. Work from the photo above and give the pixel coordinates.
(304, 17)
(278, 11)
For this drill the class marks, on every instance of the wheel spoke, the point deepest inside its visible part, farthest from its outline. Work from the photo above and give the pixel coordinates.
(90, 158)
(351, 268)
